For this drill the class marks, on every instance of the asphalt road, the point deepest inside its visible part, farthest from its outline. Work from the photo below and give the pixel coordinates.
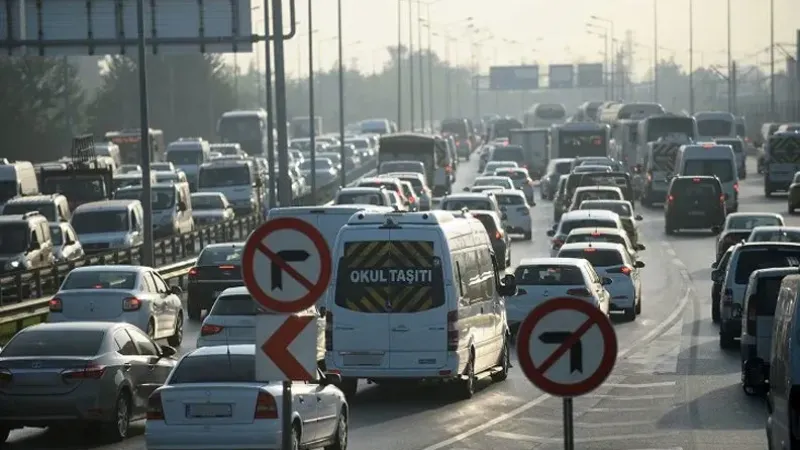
(672, 387)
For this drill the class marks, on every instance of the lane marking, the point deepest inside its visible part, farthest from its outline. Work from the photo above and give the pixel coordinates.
(539, 400)
(640, 385)
(671, 252)
(633, 398)
(631, 423)
(606, 410)
(558, 440)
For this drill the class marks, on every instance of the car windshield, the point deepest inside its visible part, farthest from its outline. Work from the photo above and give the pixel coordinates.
(415, 182)
(492, 182)
(123, 169)
(720, 168)
(54, 343)
(358, 199)
(238, 175)
(736, 144)
(623, 209)
(320, 163)
(161, 167)
(597, 257)
(334, 157)
(235, 305)
(596, 237)
(56, 235)
(206, 202)
(570, 225)
(120, 183)
(358, 143)
(402, 166)
(14, 238)
(100, 222)
(185, 157)
(46, 209)
(214, 256)
(750, 222)
(492, 166)
(548, 275)
(162, 177)
(82, 189)
(100, 279)
(753, 259)
(222, 368)
(562, 167)
(779, 235)
(458, 205)
(162, 198)
(591, 168)
(714, 127)
(598, 194)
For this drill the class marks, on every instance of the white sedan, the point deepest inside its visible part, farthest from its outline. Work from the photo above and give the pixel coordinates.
(133, 294)
(212, 400)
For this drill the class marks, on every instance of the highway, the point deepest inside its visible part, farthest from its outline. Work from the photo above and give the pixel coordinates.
(672, 387)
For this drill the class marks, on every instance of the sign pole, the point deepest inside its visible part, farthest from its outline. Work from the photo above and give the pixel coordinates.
(569, 434)
(286, 416)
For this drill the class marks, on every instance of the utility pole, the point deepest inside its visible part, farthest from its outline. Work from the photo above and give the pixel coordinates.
(421, 73)
(312, 119)
(430, 66)
(655, 51)
(691, 56)
(772, 108)
(411, 62)
(399, 66)
(730, 64)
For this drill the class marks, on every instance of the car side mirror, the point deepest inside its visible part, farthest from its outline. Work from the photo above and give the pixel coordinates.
(177, 290)
(508, 286)
(716, 277)
(716, 230)
(551, 233)
(605, 281)
(640, 247)
(639, 264)
(504, 216)
(331, 379)
(638, 218)
(168, 352)
(34, 246)
(714, 264)
(466, 189)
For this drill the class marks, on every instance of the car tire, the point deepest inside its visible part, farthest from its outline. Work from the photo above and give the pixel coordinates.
(466, 387)
(194, 311)
(639, 306)
(341, 433)
(4, 433)
(528, 236)
(504, 363)
(715, 311)
(117, 430)
(349, 387)
(177, 336)
(295, 438)
(151, 329)
(630, 314)
(726, 339)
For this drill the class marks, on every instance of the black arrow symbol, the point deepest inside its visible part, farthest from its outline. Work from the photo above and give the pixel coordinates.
(575, 352)
(287, 256)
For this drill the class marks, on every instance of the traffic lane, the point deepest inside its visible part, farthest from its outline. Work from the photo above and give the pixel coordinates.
(640, 390)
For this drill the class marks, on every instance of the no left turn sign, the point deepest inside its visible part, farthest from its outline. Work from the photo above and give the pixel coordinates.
(286, 265)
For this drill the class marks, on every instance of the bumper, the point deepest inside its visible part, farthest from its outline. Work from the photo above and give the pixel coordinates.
(449, 370)
(252, 436)
(521, 227)
(40, 411)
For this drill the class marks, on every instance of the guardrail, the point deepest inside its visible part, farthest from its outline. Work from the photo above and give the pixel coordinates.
(24, 295)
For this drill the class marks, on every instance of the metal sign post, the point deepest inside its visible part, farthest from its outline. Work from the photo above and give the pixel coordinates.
(569, 434)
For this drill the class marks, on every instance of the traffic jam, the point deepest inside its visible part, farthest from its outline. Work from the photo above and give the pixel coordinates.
(404, 281)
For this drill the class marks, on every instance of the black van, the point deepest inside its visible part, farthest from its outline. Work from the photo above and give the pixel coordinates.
(694, 202)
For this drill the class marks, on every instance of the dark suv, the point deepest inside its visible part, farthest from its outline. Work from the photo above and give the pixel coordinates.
(694, 202)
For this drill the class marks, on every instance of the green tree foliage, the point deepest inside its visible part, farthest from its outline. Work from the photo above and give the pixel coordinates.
(186, 93)
(42, 104)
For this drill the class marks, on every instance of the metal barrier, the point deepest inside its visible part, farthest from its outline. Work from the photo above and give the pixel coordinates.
(24, 295)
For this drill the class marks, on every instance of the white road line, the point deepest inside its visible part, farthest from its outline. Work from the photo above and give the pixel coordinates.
(677, 262)
(603, 425)
(632, 398)
(614, 410)
(640, 385)
(540, 399)
(671, 252)
(549, 440)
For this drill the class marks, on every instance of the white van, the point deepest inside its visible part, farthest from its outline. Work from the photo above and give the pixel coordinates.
(710, 159)
(784, 367)
(53, 206)
(416, 296)
(188, 154)
(109, 225)
(236, 178)
(172, 207)
(17, 179)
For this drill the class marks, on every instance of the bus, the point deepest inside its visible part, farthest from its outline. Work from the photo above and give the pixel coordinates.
(430, 150)
(543, 115)
(579, 139)
(129, 143)
(587, 112)
(501, 128)
(247, 128)
(711, 124)
(611, 114)
(300, 127)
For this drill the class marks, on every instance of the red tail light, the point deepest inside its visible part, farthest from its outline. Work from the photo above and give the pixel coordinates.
(55, 305)
(557, 243)
(623, 270)
(412, 199)
(90, 372)
(497, 235)
(192, 274)
(579, 292)
(736, 187)
(227, 267)
(452, 331)
(329, 331)
(155, 409)
(266, 408)
(448, 169)
(696, 180)
(671, 198)
(210, 330)
(131, 304)
(722, 198)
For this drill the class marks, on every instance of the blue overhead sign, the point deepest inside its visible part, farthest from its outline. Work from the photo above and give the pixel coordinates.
(561, 76)
(590, 75)
(513, 78)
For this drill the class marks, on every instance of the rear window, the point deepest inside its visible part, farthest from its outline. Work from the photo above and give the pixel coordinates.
(701, 189)
(775, 236)
(358, 199)
(389, 276)
(570, 225)
(767, 293)
(735, 144)
(720, 168)
(750, 222)
(488, 223)
(416, 182)
(600, 194)
(458, 127)
(596, 257)
(508, 153)
(99, 279)
(54, 343)
(751, 260)
(562, 167)
(549, 275)
(509, 199)
(401, 166)
(612, 238)
(235, 305)
(215, 369)
(491, 182)
(215, 256)
(380, 184)
(458, 205)
(623, 209)
(515, 175)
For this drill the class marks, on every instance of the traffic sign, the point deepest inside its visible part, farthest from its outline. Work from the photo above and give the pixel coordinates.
(590, 75)
(566, 347)
(288, 347)
(513, 78)
(561, 76)
(286, 265)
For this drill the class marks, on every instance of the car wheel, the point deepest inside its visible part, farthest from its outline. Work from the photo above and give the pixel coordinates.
(151, 329)
(630, 314)
(295, 438)
(349, 387)
(194, 311)
(118, 428)
(504, 363)
(639, 306)
(466, 386)
(4, 432)
(715, 311)
(177, 335)
(341, 434)
(528, 236)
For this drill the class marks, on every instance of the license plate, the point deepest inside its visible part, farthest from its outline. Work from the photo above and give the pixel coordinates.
(362, 360)
(209, 410)
(697, 213)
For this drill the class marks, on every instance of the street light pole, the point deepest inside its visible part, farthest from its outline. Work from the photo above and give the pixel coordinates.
(342, 155)
(447, 75)
(421, 68)
(411, 62)
(655, 51)
(772, 59)
(691, 56)
(430, 65)
(730, 65)
(399, 66)
(312, 120)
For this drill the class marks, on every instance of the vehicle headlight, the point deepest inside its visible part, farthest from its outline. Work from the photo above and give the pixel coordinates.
(13, 265)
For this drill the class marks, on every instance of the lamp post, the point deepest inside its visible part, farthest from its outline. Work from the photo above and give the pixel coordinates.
(612, 37)
(342, 155)
(691, 56)
(591, 29)
(655, 49)
(399, 66)
(312, 119)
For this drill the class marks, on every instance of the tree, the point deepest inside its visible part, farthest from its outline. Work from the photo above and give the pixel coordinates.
(42, 105)
(186, 95)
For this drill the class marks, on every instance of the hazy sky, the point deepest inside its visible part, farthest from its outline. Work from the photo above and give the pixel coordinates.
(515, 31)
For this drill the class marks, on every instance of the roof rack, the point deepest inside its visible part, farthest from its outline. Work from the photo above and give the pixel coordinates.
(83, 149)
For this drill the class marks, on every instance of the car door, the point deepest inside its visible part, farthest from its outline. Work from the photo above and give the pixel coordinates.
(153, 300)
(172, 303)
(327, 409)
(304, 400)
(134, 368)
(157, 368)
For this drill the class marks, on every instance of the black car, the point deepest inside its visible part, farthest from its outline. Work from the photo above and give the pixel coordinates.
(694, 202)
(218, 267)
(555, 168)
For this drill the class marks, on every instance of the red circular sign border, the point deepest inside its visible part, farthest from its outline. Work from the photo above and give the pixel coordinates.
(539, 379)
(248, 259)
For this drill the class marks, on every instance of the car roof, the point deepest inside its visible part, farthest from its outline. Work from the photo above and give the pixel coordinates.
(749, 245)
(599, 187)
(754, 214)
(207, 194)
(552, 261)
(112, 268)
(467, 196)
(217, 350)
(77, 325)
(360, 189)
(491, 177)
(223, 245)
(379, 179)
(509, 192)
(406, 174)
(599, 230)
(774, 271)
(597, 245)
(589, 214)
(43, 198)
(776, 228)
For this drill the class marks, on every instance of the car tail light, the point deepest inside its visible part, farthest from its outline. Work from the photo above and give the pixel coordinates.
(579, 292)
(557, 243)
(192, 274)
(452, 331)
(727, 298)
(55, 305)
(448, 169)
(90, 372)
(623, 270)
(155, 409)
(736, 187)
(649, 177)
(329, 331)
(696, 180)
(412, 199)
(722, 198)
(266, 408)
(227, 267)
(498, 235)
(522, 292)
(210, 330)
(751, 319)
(131, 304)
(671, 198)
